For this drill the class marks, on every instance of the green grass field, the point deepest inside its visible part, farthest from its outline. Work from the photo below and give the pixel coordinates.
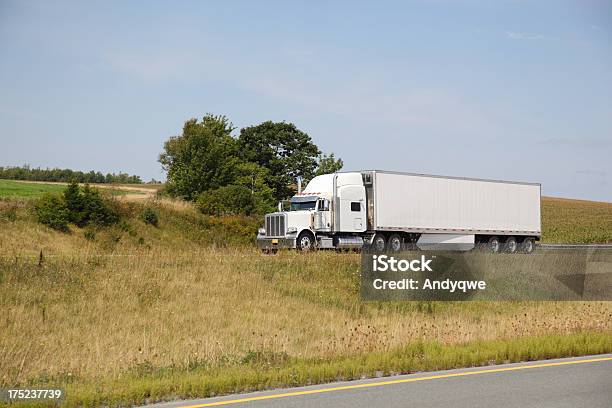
(11, 188)
(137, 313)
(24, 189)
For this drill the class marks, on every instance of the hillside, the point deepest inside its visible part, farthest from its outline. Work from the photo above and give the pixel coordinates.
(181, 226)
(190, 308)
(576, 221)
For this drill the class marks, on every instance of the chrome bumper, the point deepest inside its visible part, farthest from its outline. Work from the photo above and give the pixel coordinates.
(264, 242)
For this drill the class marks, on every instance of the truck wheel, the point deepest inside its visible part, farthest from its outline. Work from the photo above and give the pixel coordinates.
(527, 246)
(510, 246)
(305, 241)
(493, 245)
(379, 243)
(395, 243)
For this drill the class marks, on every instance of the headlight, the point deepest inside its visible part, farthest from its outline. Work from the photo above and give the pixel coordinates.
(291, 230)
(261, 231)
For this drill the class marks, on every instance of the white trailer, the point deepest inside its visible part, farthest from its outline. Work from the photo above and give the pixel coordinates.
(392, 211)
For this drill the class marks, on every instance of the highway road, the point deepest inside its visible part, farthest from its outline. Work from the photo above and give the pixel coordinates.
(571, 382)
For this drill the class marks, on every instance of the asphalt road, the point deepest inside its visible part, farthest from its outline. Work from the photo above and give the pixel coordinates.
(572, 382)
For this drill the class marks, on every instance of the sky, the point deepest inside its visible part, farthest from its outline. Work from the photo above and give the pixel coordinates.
(510, 90)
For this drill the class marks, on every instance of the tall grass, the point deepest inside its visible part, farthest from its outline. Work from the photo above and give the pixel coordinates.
(191, 308)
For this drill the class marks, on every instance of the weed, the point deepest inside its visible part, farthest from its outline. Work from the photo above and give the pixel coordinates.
(149, 216)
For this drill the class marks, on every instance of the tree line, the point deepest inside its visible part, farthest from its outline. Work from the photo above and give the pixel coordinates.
(243, 174)
(65, 175)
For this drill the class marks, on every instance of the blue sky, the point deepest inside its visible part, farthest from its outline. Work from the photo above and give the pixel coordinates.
(510, 90)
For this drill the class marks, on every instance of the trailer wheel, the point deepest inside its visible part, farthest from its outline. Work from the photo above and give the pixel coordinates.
(510, 246)
(379, 243)
(395, 243)
(493, 245)
(527, 245)
(305, 241)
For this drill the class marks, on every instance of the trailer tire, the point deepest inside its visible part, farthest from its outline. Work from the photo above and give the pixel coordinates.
(379, 243)
(493, 245)
(395, 243)
(510, 246)
(305, 241)
(527, 245)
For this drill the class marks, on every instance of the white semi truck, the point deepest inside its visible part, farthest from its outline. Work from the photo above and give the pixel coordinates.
(392, 211)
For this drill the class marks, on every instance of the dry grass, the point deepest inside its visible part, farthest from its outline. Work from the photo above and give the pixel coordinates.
(93, 316)
(125, 311)
(576, 221)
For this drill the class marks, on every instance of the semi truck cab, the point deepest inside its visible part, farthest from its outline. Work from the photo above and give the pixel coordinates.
(331, 208)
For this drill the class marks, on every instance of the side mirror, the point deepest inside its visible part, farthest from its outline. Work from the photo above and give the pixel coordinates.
(280, 206)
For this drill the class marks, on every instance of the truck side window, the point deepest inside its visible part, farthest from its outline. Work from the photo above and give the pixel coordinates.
(355, 206)
(324, 205)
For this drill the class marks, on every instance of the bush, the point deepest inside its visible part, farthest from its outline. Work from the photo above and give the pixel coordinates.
(227, 200)
(82, 207)
(74, 203)
(149, 216)
(86, 207)
(51, 211)
(95, 210)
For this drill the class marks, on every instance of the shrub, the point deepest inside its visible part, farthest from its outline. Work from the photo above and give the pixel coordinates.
(51, 211)
(95, 211)
(79, 206)
(227, 200)
(86, 206)
(149, 216)
(73, 200)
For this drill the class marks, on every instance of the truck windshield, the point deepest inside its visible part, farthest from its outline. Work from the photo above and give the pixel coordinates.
(304, 205)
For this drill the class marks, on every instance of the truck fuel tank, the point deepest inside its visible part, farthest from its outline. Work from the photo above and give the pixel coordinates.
(349, 242)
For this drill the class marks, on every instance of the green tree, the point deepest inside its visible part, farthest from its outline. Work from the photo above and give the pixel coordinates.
(85, 206)
(203, 157)
(254, 178)
(328, 164)
(284, 150)
(51, 211)
(227, 200)
(95, 211)
(73, 200)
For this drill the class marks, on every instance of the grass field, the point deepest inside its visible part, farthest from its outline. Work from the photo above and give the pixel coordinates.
(24, 189)
(147, 313)
(576, 221)
(11, 188)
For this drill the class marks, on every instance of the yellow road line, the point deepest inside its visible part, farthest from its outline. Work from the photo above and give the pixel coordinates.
(399, 381)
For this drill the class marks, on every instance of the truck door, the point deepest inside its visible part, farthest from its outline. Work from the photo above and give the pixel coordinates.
(352, 214)
(322, 220)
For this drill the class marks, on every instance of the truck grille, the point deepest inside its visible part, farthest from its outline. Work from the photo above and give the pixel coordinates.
(275, 225)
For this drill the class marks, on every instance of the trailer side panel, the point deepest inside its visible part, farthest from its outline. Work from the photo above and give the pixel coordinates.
(438, 204)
